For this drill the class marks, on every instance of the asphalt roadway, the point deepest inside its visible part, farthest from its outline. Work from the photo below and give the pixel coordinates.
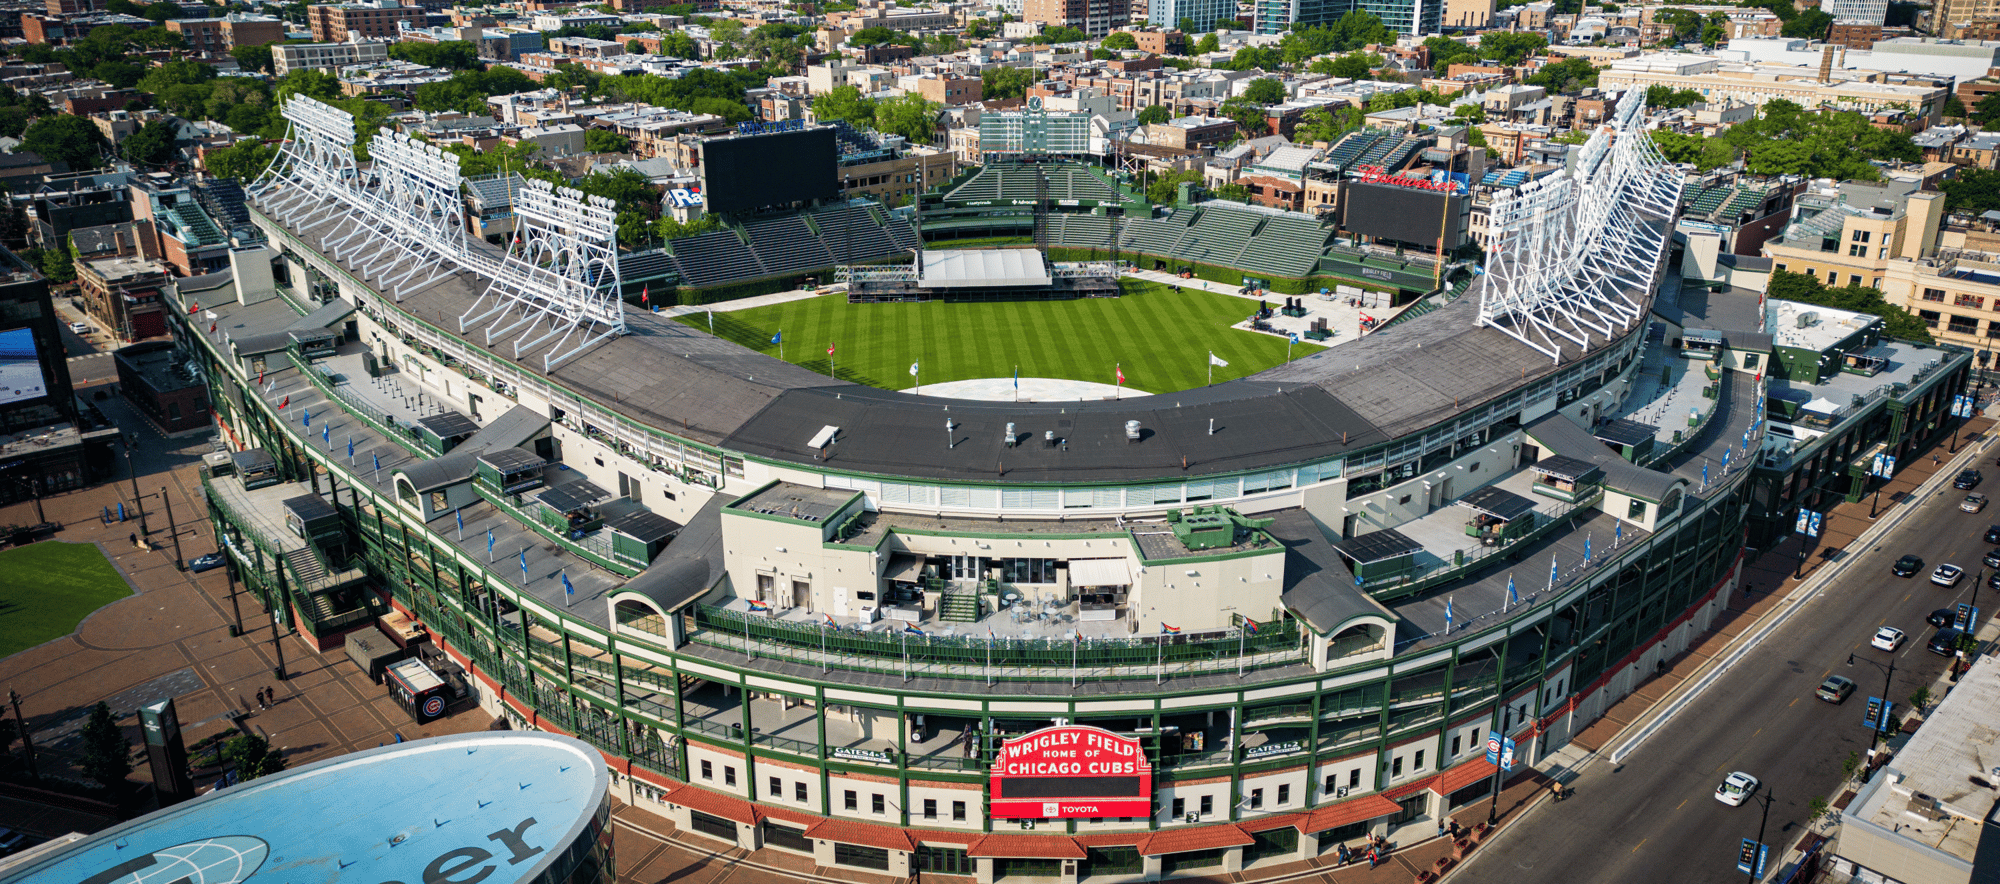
(1654, 818)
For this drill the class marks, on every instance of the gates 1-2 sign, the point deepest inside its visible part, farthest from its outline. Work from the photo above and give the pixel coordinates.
(1071, 771)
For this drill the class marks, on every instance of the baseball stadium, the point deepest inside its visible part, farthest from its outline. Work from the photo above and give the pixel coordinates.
(1210, 618)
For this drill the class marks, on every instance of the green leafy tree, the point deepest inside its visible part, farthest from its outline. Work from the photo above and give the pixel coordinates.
(1446, 52)
(671, 229)
(1327, 123)
(1953, 107)
(1512, 47)
(59, 263)
(1233, 192)
(1121, 40)
(979, 29)
(152, 145)
(1265, 91)
(1567, 75)
(252, 757)
(106, 753)
(1896, 321)
(309, 83)
(1153, 114)
(1207, 44)
(66, 139)
(162, 11)
(1473, 114)
(1355, 65)
(1715, 30)
(911, 115)
(845, 102)
(1974, 190)
(1255, 57)
(605, 141)
(1249, 115)
(158, 37)
(679, 45)
(1007, 82)
(1811, 24)
(1475, 138)
(13, 121)
(1667, 96)
(638, 202)
(121, 74)
(255, 58)
(243, 161)
(450, 55)
(1987, 111)
(1165, 189)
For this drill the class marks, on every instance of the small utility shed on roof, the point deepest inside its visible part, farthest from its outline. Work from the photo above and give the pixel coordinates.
(1565, 477)
(510, 470)
(638, 535)
(1381, 555)
(1498, 514)
(443, 431)
(1632, 440)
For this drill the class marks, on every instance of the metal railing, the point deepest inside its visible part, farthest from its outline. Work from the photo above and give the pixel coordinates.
(1403, 584)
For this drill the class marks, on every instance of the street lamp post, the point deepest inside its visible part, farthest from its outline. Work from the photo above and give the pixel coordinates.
(27, 740)
(133, 473)
(1888, 676)
(173, 530)
(1761, 824)
(235, 607)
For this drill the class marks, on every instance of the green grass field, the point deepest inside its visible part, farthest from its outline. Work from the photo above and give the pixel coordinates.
(47, 588)
(1160, 337)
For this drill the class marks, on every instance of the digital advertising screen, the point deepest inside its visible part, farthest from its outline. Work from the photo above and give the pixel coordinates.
(750, 172)
(1403, 214)
(20, 366)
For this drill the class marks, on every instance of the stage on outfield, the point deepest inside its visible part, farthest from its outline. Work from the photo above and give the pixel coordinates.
(980, 275)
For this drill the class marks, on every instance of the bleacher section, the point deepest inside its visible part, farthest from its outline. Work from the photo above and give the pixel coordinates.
(222, 199)
(1157, 236)
(1289, 245)
(1373, 147)
(787, 245)
(1082, 231)
(848, 234)
(1011, 182)
(1219, 234)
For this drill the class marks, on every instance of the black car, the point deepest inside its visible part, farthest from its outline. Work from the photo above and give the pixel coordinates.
(208, 562)
(1944, 642)
(1967, 479)
(1993, 534)
(1992, 559)
(1907, 566)
(1941, 617)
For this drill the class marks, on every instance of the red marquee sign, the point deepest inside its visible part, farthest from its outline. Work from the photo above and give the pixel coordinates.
(1071, 771)
(1379, 175)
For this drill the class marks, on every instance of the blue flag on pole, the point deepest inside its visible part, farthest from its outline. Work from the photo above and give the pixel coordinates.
(911, 630)
(489, 543)
(1513, 598)
(568, 590)
(1553, 573)
(1586, 549)
(1295, 338)
(378, 462)
(307, 415)
(1618, 533)
(1447, 614)
(1017, 378)
(350, 448)
(777, 337)
(460, 513)
(524, 565)
(325, 434)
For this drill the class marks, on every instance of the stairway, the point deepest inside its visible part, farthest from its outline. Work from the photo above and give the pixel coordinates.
(960, 606)
(305, 566)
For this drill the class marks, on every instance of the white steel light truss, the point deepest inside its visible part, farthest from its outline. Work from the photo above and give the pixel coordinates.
(1579, 250)
(317, 158)
(409, 199)
(560, 277)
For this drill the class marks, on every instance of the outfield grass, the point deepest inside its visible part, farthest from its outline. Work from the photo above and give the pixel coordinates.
(47, 588)
(1160, 337)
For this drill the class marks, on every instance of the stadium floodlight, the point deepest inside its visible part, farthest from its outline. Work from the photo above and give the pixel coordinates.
(415, 203)
(560, 278)
(317, 158)
(1578, 251)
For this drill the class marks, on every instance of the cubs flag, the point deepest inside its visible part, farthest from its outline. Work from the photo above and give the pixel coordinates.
(1217, 361)
(777, 337)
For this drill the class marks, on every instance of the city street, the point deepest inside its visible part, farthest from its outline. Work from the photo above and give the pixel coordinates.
(1654, 818)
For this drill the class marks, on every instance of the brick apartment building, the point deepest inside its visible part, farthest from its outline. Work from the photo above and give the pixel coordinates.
(333, 22)
(215, 37)
(1097, 18)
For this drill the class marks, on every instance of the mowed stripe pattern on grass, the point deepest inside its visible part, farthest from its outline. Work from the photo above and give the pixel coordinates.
(1162, 338)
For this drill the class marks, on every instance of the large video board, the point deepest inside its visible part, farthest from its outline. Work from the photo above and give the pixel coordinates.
(20, 366)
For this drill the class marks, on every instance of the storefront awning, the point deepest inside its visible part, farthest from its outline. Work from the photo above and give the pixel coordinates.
(1099, 572)
(904, 568)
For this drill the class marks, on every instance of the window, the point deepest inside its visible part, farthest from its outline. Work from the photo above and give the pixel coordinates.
(1327, 786)
(1396, 766)
(851, 802)
(1404, 499)
(876, 858)
(877, 804)
(1854, 279)
(1750, 360)
(1284, 794)
(1860, 236)
(707, 769)
(1417, 763)
(1180, 808)
(1354, 778)
(1934, 295)
(728, 775)
(958, 811)
(1207, 804)
(1637, 510)
(777, 787)
(930, 808)
(1256, 798)
(1973, 301)
(1454, 744)
(799, 791)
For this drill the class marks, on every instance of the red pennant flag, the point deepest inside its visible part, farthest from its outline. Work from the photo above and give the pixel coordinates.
(195, 308)
(260, 377)
(829, 349)
(1121, 375)
(211, 328)
(287, 402)
(646, 295)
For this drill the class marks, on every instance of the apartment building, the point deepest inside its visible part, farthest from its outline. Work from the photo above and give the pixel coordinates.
(1850, 233)
(286, 58)
(332, 23)
(212, 38)
(1097, 18)
(1406, 17)
(1755, 84)
(1962, 19)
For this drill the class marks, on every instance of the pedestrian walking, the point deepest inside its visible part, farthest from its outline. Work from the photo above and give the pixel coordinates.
(271, 696)
(135, 538)
(1441, 829)
(1373, 858)
(1558, 789)
(260, 700)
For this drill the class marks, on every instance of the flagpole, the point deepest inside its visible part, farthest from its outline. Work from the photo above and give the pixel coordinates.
(1075, 641)
(1160, 661)
(989, 656)
(825, 659)
(906, 653)
(1240, 634)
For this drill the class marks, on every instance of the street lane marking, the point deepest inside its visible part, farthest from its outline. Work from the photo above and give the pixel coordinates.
(1642, 843)
(1684, 803)
(1795, 701)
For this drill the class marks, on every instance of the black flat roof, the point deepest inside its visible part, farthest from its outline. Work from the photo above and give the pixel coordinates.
(1379, 546)
(644, 526)
(310, 508)
(447, 424)
(1564, 467)
(572, 495)
(1625, 432)
(1499, 503)
(511, 460)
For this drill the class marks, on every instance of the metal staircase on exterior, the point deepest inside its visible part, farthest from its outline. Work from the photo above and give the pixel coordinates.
(961, 605)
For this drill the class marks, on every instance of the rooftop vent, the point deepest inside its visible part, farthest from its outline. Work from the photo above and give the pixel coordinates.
(1131, 431)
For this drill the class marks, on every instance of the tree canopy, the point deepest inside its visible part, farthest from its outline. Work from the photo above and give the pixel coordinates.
(66, 139)
(1974, 190)
(1154, 113)
(1265, 91)
(1121, 40)
(1007, 82)
(451, 55)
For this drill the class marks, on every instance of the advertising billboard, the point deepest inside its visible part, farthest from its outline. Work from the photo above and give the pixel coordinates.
(1071, 771)
(749, 172)
(20, 366)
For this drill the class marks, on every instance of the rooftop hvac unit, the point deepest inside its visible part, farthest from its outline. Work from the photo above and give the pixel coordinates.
(1132, 431)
